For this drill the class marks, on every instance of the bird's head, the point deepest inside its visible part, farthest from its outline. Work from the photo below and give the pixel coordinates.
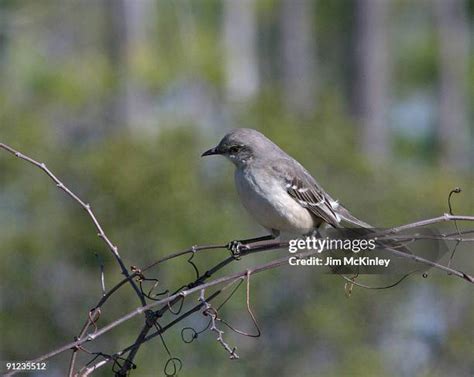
(241, 146)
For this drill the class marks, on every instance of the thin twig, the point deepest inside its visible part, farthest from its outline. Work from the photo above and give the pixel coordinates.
(87, 207)
(211, 312)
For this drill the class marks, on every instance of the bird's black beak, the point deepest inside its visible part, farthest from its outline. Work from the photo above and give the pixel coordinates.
(211, 151)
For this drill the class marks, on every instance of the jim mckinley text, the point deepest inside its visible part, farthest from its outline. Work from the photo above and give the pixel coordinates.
(319, 244)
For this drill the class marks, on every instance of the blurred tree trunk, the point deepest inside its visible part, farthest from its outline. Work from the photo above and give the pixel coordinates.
(240, 49)
(453, 132)
(115, 46)
(127, 24)
(4, 26)
(299, 69)
(139, 104)
(371, 91)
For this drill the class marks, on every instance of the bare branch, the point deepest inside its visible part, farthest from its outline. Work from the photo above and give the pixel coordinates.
(86, 206)
(211, 312)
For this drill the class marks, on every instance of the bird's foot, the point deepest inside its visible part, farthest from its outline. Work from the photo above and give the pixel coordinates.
(236, 248)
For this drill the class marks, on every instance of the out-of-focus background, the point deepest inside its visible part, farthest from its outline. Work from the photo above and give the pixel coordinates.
(120, 98)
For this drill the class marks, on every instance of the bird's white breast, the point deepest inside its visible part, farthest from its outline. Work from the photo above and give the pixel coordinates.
(266, 199)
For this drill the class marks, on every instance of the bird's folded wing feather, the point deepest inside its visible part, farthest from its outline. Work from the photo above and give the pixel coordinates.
(302, 187)
(311, 198)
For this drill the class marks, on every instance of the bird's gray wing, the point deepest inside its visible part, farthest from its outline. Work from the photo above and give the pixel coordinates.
(313, 199)
(302, 187)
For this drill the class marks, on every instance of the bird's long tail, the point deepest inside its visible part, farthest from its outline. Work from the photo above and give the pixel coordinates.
(348, 218)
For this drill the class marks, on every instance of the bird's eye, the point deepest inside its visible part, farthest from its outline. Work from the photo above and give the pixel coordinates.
(234, 149)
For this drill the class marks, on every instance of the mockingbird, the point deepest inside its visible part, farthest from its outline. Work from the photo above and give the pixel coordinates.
(277, 190)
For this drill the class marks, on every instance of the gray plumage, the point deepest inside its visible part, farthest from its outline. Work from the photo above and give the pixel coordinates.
(276, 189)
